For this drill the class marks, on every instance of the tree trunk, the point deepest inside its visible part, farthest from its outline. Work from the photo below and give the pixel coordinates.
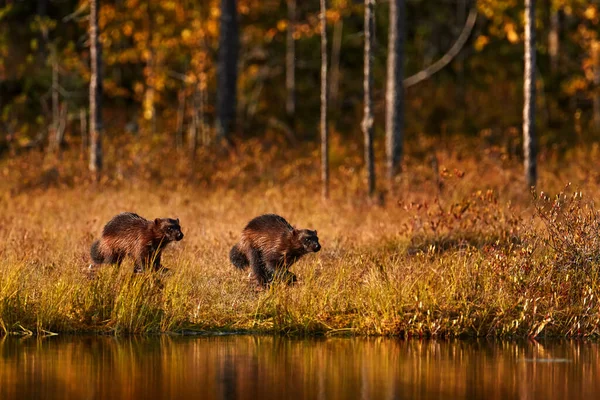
(149, 108)
(180, 118)
(335, 62)
(554, 37)
(202, 106)
(596, 66)
(324, 133)
(227, 68)
(529, 138)
(63, 116)
(193, 129)
(461, 14)
(367, 122)
(54, 137)
(95, 165)
(394, 96)
(290, 63)
(83, 131)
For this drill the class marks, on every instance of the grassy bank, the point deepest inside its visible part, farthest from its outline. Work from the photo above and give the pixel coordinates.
(464, 250)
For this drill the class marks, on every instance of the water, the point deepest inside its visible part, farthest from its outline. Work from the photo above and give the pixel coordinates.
(263, 367)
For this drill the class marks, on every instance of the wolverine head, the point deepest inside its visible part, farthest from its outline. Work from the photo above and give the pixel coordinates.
(309, 240)
(170, 228)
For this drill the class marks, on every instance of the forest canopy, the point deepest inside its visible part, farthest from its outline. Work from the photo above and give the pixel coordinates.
(160, 65)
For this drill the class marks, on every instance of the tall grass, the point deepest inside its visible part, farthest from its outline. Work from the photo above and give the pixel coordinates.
(460, 251)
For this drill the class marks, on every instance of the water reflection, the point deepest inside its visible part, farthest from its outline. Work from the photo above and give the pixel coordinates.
(258, 367)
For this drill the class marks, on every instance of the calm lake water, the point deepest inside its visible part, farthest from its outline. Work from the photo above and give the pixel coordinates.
(263, 367)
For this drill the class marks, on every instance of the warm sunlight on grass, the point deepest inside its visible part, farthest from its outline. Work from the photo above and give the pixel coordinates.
(465, 250)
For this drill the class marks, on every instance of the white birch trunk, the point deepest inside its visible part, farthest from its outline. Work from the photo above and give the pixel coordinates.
(95, 164)
(367, 122)
(394, 96)
(323, 124)
(529, 137)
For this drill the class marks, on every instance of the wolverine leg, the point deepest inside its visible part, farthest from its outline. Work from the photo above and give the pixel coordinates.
(271, 271)
(142, 261)
(258, 267)
(156, 264)
(116, 258)
(237, 258)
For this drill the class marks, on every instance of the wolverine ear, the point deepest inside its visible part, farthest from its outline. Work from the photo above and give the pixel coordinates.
(157, 221)
(177, 221)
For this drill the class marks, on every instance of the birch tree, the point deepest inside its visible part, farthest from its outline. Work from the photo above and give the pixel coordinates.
(394, 96)
(95, 164)
(529, 138)
(554, 36)
(596, 81)
(323, 124)
(367, 122)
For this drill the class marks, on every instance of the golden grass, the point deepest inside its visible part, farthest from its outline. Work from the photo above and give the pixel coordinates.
(459, 252)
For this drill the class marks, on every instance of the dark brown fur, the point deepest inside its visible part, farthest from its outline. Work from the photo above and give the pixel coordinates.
(270, 245)
(143, 240)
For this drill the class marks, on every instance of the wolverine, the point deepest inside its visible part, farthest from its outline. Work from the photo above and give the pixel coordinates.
(128, 234)
(270, 245)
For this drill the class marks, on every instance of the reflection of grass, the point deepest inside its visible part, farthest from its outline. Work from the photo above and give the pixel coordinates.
(471, 258)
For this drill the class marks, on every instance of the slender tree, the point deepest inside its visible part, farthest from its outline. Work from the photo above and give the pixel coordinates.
(149, 106)
(596, 99)
(54, 140)
(83, 131)
(193, 128)
(95, 165)
(227, 68)
(336, 48)
(180, 117)
(290, 62)
(367, 122)
(554, 36)
(394, 96)
(324, 133)
(529, 138)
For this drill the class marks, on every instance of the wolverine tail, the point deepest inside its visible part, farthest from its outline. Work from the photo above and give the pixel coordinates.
(95, 253)
(237, 258)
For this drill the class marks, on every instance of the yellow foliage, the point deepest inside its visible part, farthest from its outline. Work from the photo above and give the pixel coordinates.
(270, 34)
(332, 15)
(511, 33)
(244, 9)
(252, 70)
(481, 42)
(591, 12)
(212, 27)
(574, 85)
(128, 29)
(138, 88)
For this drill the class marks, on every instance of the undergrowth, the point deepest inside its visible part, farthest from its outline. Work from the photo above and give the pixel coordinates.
(462, 253)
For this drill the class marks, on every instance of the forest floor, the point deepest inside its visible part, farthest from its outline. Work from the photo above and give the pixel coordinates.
(460, 247)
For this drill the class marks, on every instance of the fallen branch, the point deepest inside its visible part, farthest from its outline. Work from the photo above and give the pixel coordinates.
(446, 58)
